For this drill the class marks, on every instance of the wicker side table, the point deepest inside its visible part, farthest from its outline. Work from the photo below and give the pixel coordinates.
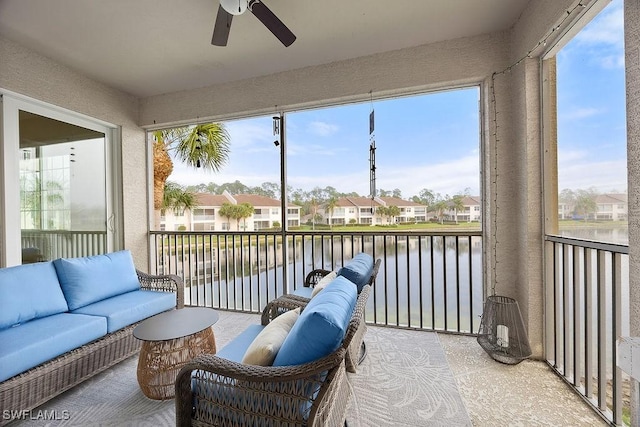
(170, 340)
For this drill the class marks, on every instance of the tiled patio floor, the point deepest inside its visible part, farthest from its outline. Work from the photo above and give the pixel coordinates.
(527, 394)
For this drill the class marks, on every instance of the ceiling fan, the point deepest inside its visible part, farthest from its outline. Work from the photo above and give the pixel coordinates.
(229, 8)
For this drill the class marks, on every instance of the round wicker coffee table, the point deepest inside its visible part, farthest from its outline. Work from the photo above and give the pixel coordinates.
(171, 339)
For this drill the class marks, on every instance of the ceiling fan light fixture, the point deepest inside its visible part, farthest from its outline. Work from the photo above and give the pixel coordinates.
(235, 7)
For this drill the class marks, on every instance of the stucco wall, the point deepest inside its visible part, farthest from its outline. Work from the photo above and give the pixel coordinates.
(438, 65)
(33, 75)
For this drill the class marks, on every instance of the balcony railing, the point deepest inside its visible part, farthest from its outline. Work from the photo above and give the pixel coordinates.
(54, 244)
(426, 280)
(586, 312)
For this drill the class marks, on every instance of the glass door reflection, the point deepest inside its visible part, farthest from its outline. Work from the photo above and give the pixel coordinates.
(63, 208)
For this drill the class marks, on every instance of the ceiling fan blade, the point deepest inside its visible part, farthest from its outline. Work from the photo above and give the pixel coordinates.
(221, 28)
(271, 21)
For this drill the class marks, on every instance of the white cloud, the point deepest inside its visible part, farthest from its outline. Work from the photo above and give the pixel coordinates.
(323, 128)
(580, 113)
(611, 62)
(250, 135)
(577, 171)
(448, 177)
(445, 178)
(605, 176)
(357, 181)
(188, 176)
(607, 28)
(305, 149)
(567, 157)
(603, 38)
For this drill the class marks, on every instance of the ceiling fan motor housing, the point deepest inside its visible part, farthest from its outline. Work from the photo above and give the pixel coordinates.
(235, 7)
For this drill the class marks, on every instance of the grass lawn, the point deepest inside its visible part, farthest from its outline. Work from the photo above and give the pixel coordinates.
(432, 226)
(569, 223)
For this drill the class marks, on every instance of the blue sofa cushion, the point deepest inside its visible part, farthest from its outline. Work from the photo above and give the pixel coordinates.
(321, 327)
(35, 342)
(358, 270)
(94, 278)
(235, 349)
(127, 309)
(29, 292)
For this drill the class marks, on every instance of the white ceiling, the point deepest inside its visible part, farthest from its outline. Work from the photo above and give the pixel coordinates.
(150, 47)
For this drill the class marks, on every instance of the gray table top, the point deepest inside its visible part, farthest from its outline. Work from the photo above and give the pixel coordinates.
(175, 324)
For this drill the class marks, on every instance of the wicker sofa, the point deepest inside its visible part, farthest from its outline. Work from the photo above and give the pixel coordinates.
(299, 389)
(361, 270)
(66, 320)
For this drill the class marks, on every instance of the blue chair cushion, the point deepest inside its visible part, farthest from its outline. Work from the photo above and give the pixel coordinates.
(234, 350)
(35, 342)
(304, 291)
(321, 327)
(127, 309)
(358, 270)
(91, 279)
(29, 292)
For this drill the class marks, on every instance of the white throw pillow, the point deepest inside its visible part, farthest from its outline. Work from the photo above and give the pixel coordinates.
(266, 344)
(324, 282)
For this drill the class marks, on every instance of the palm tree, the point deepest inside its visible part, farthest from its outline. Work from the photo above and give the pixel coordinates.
(439, 207)
(457, 205)
(206, 145)
(313, 207)
(245, 211)
(331, 204)
(227, 210)
(178, 199)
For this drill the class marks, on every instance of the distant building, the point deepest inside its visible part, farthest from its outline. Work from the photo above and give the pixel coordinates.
(471, 211)
(609, 207)
(612, 207)
(363, 210)
(206, 217)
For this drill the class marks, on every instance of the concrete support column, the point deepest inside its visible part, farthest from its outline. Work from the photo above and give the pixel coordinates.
(532, 292)
(632, 65)
(515, 195)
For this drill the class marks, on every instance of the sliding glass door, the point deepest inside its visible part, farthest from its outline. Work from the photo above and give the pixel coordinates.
(56, 179)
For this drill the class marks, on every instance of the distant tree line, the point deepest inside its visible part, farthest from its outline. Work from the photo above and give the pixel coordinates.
(310, 201)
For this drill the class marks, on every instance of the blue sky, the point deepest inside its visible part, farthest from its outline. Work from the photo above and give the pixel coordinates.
(432, 141)
(421, 142)
(591, 106)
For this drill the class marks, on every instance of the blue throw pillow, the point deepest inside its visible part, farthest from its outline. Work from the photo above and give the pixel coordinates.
(358, 270)
(94, 278)
(321, 327)
(29, 292)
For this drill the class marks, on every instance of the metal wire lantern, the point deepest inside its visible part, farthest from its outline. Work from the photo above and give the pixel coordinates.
(502, 333)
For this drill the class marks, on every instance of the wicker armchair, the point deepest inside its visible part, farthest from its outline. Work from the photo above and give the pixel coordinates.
(211, 390)
(40, 384)
(357, 351)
